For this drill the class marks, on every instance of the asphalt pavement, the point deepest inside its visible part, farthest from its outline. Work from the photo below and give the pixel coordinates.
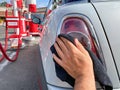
(23, 74)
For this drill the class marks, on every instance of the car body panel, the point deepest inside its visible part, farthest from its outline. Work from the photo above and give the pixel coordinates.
(52, 28)
(112, 30)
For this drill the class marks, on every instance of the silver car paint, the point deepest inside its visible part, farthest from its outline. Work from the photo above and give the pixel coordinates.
(51, 32)
(111, 23)
(50, 87)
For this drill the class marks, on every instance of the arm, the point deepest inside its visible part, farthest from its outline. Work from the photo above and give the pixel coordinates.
(77, 62)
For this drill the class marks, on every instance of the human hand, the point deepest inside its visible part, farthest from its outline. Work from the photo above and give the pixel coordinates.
(75, 60)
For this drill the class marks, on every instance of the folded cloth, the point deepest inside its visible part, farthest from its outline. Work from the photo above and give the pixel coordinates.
(99, 68)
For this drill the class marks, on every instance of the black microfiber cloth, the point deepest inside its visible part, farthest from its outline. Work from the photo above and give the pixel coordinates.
(99, 69)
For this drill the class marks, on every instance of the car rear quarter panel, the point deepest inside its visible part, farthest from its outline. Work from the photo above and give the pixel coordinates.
(109, 13)
(56, 20)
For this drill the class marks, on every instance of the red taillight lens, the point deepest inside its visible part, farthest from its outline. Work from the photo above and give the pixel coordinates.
(76, 27)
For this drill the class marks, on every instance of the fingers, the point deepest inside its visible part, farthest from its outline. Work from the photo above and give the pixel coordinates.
(57, 60)
(69, 45)
(61, 49)
(58, 50)
(65, 48)
(79, 46)
(62, 45)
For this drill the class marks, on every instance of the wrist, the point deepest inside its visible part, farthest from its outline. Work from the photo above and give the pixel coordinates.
(85, 82)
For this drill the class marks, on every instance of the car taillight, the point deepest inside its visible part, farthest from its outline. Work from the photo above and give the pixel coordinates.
(77, 27)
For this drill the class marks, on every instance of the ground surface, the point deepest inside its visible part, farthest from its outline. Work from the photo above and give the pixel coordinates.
(22, 74)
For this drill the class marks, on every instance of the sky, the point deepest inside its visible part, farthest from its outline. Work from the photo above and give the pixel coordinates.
(4, 0)
(40, 3)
